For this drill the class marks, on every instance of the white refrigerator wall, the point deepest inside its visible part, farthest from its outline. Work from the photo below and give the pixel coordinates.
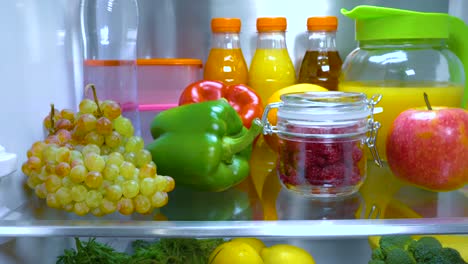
(40, 51)
(459, 8)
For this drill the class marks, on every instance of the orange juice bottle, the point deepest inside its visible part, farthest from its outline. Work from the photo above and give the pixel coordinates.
(271, 68)
(225, 61)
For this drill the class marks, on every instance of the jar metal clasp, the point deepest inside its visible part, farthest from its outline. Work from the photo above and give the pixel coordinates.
(373, 129)
(268, 128)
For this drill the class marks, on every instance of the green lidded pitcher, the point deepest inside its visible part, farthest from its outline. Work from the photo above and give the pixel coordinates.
(402, 54)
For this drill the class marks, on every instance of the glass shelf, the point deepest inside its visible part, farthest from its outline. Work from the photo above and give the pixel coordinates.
(305, 229)
(237, 212)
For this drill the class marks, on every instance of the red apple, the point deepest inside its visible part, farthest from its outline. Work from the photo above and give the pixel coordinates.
(429, 148)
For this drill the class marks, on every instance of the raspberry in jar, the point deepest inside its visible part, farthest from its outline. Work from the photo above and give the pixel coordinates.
(322, 136)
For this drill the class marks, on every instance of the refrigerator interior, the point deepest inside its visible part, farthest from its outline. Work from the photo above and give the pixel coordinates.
(42, 64)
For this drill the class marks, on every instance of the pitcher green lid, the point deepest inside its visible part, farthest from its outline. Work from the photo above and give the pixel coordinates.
(376, 23)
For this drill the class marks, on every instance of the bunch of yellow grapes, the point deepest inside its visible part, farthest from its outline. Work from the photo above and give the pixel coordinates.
(91, 162)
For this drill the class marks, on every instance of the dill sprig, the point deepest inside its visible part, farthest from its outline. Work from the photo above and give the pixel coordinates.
(174, 251)
(92, 252)
(162, 251)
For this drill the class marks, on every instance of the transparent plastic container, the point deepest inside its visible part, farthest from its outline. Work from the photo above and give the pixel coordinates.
(322, 136)
(161, 81)
(114, 80)
(109, 32)
(147, 114)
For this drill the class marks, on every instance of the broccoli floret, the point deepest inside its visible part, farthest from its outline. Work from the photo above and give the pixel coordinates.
(389, 243)
(452, 256)
(399, 256)
(425, 249)
(437, 259)
(444, 256)
(377, 254)
(376, 261)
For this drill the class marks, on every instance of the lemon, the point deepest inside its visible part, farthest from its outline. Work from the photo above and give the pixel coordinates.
(255, 243)
(234, 252)
(286, 254)
(276, 97)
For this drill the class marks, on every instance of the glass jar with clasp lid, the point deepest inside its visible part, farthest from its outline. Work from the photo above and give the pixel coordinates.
(322, 136)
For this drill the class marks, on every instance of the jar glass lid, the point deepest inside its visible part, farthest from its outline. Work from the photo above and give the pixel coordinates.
(324, 106)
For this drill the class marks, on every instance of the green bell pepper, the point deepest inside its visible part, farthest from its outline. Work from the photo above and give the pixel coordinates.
(203, 145)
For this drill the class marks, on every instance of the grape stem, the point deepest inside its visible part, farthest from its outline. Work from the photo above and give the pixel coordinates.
(428, 104)
(52, 122)
(96, 100)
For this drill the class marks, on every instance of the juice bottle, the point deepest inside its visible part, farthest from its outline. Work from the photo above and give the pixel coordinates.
(322, 63)
(225, 61)
(271, 68)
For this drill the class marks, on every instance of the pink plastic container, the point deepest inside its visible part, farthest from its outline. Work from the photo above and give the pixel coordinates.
(161, 81)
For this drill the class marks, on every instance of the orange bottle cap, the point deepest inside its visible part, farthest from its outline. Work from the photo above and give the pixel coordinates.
(221, 24)
(265, 24)
(326, 23)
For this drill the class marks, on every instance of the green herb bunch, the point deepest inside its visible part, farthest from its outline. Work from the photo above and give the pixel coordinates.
(163, 251)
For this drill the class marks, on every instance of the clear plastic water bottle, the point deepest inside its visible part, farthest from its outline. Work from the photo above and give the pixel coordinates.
(109, 31)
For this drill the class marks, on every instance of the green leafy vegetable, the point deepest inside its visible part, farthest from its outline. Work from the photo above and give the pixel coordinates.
(425, 249)
(452, 256)
(92, 252)
(163, 251)
(389, 243)
(376, 261)
(399, 256)
(174, 251)
(405, 250)
(377, 254)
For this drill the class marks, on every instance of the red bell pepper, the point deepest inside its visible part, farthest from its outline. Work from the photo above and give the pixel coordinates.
(242, 98)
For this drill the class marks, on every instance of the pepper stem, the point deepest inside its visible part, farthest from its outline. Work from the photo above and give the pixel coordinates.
(428, 104)
(232, 146)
